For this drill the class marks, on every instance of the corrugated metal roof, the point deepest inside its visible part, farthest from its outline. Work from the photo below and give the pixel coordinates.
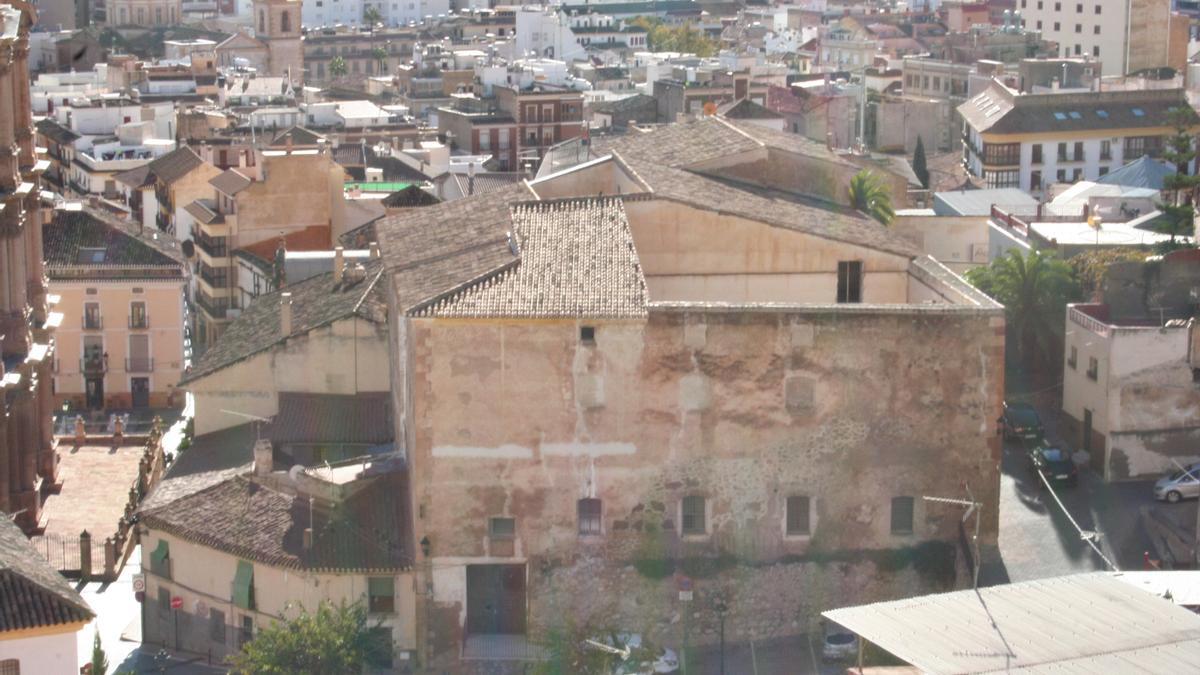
(1085, 623)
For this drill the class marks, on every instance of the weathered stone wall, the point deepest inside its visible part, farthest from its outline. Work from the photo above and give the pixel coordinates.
(743, 406)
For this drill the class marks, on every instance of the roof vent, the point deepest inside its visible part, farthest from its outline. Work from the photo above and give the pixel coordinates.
(512, 244)
(355, 274)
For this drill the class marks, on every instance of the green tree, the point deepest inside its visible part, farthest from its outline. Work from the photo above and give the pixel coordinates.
(1034, 290)
(918, 165)
(1176, 207)
(99, 658)
(871, 195)
(663, 38)
(338, 67)
(380, 56)
(371, 17)
(331, 641)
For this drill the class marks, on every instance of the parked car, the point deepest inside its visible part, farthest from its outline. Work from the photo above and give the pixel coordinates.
(838, 643)
(1179, 485)
(1054, 463)
(1021, 421)
(632, 657)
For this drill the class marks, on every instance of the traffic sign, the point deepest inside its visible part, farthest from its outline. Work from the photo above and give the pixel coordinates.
(139, 583)
(685, 596)
(176, 602)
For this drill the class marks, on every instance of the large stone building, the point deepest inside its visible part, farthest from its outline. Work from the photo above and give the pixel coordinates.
(144, 12)
(1127, 35)
(687, 357)
(28, 458)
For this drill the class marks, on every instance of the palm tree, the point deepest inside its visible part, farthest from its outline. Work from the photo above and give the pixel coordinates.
(869, 194)
(1034, 289)
(338, 67)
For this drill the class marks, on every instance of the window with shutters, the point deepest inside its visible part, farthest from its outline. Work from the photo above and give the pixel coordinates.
(902, 515)
(589, 516)
(798, 523)
(692, 516)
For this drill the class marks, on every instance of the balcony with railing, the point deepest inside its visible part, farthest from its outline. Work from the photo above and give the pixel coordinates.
(93, 365)
(92, 322)
(139, 364)
(139, 321)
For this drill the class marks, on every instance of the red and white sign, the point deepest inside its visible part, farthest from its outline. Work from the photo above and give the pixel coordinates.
(139, 583)
(176, 602)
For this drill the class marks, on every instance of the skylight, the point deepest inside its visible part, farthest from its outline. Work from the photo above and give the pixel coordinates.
(1060, 116)
(1102, 114)
(1138, 112)
(90, 255)
(1075, 116)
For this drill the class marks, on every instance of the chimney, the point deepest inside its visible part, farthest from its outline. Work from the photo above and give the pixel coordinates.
(471, 179)
(307, 540)
(263, 457)
(289, 144)
(339, 264)
(374, 248)
(285, 313)
(741, 88)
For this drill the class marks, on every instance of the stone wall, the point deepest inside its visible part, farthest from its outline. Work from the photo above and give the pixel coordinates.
(744, 406)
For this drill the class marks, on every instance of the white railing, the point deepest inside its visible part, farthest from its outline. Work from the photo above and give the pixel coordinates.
(1083, 320)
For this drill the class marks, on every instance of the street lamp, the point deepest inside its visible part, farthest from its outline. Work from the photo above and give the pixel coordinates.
(721, 608)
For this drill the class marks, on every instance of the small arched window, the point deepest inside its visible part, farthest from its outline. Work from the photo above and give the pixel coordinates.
(262, 21)
(285, 22)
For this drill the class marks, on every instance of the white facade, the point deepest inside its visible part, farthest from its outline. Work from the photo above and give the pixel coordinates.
(53, 654)
(318, 13)
(1096, 28)
(544, 33)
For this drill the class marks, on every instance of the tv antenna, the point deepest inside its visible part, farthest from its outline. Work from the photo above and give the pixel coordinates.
(256, 418)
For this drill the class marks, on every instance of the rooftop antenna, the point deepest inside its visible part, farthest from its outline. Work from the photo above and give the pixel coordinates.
(257, 419)
(973, 507)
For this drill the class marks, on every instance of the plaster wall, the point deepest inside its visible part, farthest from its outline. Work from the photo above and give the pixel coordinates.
(165, 316)
(958, 242)
(188, 189)
(52, 654)
(298, 191)
(345, 357)
(688, 254)
(203, 578)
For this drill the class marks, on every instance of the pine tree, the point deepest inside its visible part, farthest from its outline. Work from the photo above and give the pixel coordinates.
(1176, 206)
(918, 164)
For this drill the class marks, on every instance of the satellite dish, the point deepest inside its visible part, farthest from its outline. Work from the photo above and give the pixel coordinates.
(294, 472)
(189, 248)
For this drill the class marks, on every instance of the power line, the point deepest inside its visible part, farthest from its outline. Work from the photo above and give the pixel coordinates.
(1088, 537)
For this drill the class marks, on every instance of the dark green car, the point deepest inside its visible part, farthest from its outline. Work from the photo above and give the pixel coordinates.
(1021, 422)
(1055, 464)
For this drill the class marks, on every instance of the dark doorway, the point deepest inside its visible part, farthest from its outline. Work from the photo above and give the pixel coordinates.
(1087, 430)
(140, 387)
(496, 599)
(95, 393)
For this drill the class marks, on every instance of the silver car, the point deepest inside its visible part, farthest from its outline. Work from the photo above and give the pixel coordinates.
(1179, 485)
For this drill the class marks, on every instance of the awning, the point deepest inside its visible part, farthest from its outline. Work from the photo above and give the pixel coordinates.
(243, 585)
(158, 558)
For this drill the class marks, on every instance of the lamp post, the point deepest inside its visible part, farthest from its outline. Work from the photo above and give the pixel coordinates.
(721, 608)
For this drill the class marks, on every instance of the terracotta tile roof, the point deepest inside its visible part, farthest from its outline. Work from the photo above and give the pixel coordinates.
(205, 211)
(230, 182)
(316, 302)
(745, 109)
(317, 418)
(577, 259)
(33, 594)
(312, 238)
(668, 159)
(410, 196)
(367, 532)
(299, 135)
(76, 237)
(212, 458)
(175, 164)
(136, 177)
(56, 132)
(437, 250)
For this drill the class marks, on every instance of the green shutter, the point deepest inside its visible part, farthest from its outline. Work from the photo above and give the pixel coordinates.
(158, 558)
(243, 585)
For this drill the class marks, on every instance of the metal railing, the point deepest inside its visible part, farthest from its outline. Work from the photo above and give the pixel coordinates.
(95, 365)
(139, 364)
(136, 321)
(92, 322)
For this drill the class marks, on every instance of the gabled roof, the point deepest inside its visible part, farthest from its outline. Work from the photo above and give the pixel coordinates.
(211, 458)
(369, 531)
(79, 237)
(175, 164)
(316, 302)
(33, 594)
(410, 196)
(230, 182)
(56, 132)
(300, 137)
(1000, 110)
(137, 177)
(577, 259)
(745, 109)
(363, 418)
